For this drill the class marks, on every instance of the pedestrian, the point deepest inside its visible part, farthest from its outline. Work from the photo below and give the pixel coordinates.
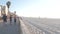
(10, 19)
(15, 19)
(4, 18)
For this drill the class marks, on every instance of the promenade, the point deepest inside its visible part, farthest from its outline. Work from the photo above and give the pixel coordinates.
(31, 26)
(7, 28)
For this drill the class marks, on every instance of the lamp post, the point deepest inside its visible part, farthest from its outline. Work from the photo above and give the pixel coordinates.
(8, 5)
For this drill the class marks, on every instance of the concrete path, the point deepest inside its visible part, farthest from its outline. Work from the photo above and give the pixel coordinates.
(7, 28)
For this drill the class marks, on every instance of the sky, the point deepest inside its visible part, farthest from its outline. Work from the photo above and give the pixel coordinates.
(35, 8)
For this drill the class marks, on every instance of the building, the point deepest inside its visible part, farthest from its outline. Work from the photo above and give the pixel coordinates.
(3, 10)
(0, 9)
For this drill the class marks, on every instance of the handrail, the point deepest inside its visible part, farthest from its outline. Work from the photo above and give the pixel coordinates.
(37, 29)
(33, 29)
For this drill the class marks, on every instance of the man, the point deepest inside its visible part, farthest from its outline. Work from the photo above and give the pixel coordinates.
(15, 18)
(4, 18)
(10, 18)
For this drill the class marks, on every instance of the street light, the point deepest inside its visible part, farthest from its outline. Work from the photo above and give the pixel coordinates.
(8, 5)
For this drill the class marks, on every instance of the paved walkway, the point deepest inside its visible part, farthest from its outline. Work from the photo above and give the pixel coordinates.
(7, 28)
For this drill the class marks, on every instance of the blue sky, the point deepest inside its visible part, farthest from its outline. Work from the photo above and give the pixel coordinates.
(35, 8)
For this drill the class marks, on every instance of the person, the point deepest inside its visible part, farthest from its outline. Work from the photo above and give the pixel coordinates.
(4, 18)
(15, 18)
(10, 19)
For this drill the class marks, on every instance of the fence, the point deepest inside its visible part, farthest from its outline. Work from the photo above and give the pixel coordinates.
(28, 28)
(35, 28)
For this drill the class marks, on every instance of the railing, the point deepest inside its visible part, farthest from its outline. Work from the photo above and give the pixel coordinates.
(34, 28)
(30, 29)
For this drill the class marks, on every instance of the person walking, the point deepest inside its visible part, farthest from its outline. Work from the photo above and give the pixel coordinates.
(15, 19)
(10, 19)
(4, 18)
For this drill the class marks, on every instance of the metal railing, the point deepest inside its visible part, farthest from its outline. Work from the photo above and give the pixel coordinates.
(32, 29)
